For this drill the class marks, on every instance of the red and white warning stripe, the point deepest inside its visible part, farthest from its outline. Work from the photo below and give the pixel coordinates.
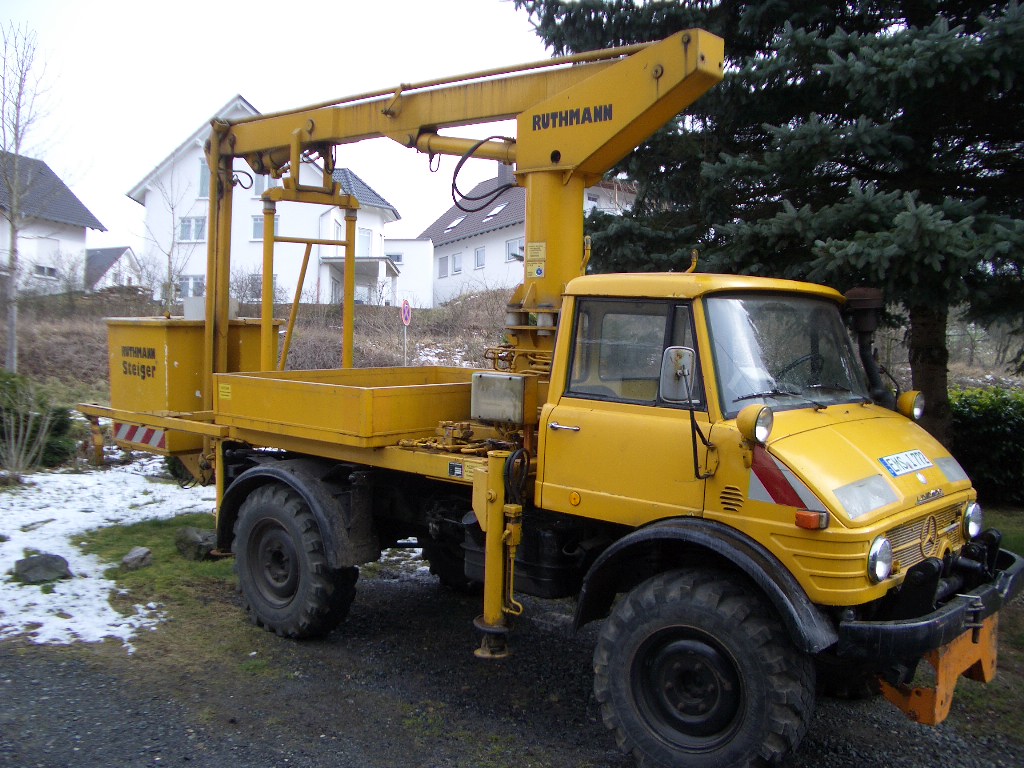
(129, 433)
(773, 482)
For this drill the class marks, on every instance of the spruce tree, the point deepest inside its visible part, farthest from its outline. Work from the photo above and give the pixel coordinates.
(851, 143)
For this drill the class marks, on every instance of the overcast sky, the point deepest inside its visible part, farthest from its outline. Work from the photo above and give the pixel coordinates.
(128, 81)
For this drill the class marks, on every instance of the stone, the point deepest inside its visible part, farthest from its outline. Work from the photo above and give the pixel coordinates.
(41, 569)
(195, 544)
(139, 557)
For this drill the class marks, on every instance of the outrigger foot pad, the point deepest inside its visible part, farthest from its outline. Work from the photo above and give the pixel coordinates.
(493, 643)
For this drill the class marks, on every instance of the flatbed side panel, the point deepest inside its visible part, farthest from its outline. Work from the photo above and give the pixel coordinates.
(364, 408)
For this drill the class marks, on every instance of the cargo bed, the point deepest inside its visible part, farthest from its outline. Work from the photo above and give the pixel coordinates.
(359, 407)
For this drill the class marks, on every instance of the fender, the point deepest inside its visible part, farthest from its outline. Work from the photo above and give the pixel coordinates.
(681, 541)
(342, 512)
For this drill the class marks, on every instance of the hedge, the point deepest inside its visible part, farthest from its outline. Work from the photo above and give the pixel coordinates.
(988, 441)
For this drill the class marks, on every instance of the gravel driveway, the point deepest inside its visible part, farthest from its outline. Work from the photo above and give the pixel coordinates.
(397, 684)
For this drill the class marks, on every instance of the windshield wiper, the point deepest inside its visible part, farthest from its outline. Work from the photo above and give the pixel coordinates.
(770, 393)
(780, 392)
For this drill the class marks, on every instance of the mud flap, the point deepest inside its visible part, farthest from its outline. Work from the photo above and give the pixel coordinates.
(972, 654)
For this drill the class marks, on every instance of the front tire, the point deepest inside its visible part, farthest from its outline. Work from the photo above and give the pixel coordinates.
(287, 585)
(692, 669)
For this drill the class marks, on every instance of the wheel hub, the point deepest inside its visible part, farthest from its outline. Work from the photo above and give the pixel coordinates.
(690, 688)
(275, 565)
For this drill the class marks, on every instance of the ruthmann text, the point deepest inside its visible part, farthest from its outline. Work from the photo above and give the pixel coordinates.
(601, 113)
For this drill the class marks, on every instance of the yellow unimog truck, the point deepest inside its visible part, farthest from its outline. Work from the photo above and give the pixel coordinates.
(705, 462)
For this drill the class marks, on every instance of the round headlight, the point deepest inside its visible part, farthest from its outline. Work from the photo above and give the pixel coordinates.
(880, 559)
(755, 423)
(973, 520)
(911, 405)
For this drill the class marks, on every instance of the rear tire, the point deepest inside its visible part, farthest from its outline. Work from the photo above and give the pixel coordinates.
(287, 585)
(693, 669)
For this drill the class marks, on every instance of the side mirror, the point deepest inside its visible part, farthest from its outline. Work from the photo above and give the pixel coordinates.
(677, 366)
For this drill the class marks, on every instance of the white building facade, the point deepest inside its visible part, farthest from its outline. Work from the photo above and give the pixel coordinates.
(482, 249)
(176, 198)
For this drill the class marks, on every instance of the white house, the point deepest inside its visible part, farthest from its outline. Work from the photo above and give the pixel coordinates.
(481, 249)
(414, 257)
(176, 197)
(51, 240)
(111, 267)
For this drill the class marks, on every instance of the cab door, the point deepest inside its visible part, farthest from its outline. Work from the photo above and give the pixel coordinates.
(611, 448)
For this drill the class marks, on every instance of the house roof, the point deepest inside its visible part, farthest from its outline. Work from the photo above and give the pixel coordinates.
(353, 185)
(99, 260)
(236, 107)
(44, 195)
(458, 224)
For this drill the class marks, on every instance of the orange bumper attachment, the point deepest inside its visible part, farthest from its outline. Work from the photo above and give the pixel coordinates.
(972, 655)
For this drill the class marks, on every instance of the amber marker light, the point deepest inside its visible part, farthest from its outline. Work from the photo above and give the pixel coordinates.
(811, 520)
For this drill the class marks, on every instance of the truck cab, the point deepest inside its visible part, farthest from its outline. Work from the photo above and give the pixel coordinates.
(729, 424)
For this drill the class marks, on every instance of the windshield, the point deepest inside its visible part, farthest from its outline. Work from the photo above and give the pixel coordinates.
(783, 351)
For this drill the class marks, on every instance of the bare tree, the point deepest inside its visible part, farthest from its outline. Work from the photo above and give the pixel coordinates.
(174, 252)
(246, 286)
(20, 86)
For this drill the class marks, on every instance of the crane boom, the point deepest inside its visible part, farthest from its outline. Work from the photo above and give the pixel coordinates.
(576, 117)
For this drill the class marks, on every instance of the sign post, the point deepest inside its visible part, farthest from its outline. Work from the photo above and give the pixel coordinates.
(406, 319)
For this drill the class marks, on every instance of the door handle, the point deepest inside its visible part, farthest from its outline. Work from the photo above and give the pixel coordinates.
(556, 425)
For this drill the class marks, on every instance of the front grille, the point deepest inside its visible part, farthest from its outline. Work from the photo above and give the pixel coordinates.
(923, 538)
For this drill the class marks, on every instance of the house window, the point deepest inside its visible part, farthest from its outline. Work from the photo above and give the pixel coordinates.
(364, 241)
(40, 271)
(204, 179)
(514, 249)
(479, 258)
(456, 263)
(335, 291)
(495, 211)
(192, 229)
(191, 285)
(442, 267)
(261, 184)
(257, 227)
(395, 257)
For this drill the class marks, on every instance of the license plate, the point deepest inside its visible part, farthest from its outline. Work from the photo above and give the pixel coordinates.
(904, 463)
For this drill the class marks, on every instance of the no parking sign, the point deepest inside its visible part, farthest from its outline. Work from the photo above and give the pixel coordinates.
(406, 313)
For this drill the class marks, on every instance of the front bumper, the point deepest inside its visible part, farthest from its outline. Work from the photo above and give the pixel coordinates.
(912, 638)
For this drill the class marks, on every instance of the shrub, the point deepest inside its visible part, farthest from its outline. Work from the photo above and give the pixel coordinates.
(987, 425)
(32, 431)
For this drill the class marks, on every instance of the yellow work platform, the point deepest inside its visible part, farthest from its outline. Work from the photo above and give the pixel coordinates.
(360, 408)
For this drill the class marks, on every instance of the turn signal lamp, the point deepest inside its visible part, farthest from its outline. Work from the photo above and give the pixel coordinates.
(811, 520)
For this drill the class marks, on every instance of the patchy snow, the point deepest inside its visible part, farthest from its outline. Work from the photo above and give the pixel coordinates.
(440, 354)
(46, 515)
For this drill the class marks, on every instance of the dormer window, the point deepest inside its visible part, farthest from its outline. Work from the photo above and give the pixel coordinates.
(454, 224)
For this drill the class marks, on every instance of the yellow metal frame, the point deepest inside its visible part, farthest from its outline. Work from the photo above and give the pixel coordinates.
(576, 117)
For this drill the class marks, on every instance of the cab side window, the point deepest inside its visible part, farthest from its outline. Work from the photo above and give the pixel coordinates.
(618, 345)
